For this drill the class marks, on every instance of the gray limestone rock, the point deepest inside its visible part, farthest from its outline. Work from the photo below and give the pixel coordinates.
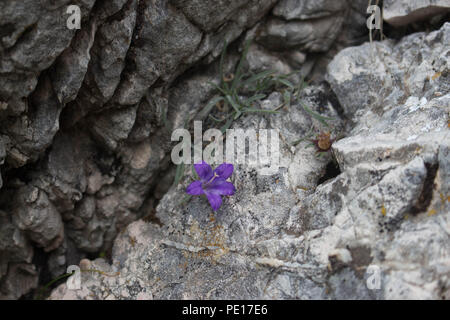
(311, 9)
(37, 216)
(387, 74)
(375, 229)
(85, 123)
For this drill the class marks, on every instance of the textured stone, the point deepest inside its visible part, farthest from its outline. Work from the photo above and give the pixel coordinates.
(234, 242)
(387, 74)
(21, 278)
(305, 233)
(2, 158)
(30, 134)
(112, 42)
(112, 127)
(310, 9)
(34, 34)
(166, 41)
(85, 123)
(37, 216)
(14, 247)
(400, 13)
(71, 66)
(315, 35)
(83, 113)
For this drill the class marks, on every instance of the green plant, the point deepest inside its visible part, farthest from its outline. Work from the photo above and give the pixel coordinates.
(243, 91)
(246, 89)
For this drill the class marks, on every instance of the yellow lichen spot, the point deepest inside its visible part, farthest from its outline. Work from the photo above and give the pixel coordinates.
(133, 241)
(183, 265)
(436, 75)
(383, 210)
(418, 150)
(431, 212)
(443, 198)
(212, 239)
(406, 217)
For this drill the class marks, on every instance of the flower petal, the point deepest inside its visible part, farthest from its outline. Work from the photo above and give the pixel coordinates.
(195, 188)
(204, 171)
(225, 170)
(214, 200)
(221, 187)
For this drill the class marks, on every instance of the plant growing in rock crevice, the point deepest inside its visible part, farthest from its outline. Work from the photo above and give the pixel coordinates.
(240, 93)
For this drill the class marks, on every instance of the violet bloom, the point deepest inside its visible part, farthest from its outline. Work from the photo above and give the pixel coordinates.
(213, 184)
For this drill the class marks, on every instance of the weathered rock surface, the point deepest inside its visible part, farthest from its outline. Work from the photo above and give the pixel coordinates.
(399, 13)
(38, 217)
(16, 253)
(296, 234)
(34, 34)
(302, 10)
(309, 26)
(211, 239)
(389, 74)
(82, 113)
(313, 26)
(85, 123)
(2, 158)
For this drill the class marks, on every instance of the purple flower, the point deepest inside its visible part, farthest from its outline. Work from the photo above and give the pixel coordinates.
(213, 184)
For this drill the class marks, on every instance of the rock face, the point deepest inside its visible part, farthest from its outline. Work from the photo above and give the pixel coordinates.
(310, 25)
(86, 117)
(399, 13)
(416, 68)
(81, 113)
(378, 229)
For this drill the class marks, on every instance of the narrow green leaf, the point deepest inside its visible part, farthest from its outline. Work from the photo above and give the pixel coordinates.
(221, 63)
(179, 174)
(235, 106)
(257, 97)
(209, 106)
(237, 74)
(194, 173)
(265, 84)
(224, 91)
(317, 116)
(254, 98)
(258, 76)
(296, 142)
(227, 125)
(216, 119)
(185, 199)
(286, 82)
(306, 137)
(287, 98)
(249, 110)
